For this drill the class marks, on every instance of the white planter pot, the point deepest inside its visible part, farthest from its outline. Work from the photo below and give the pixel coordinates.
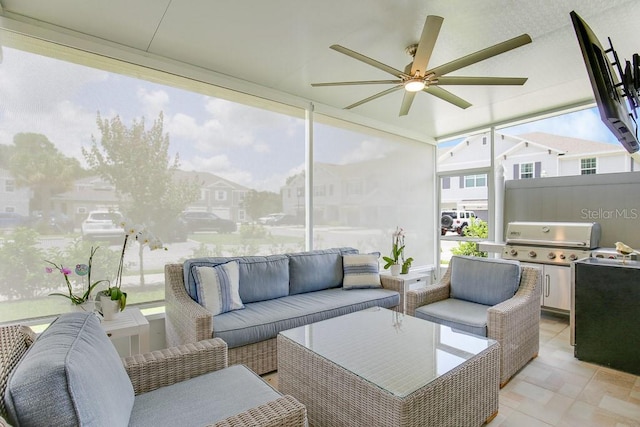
(108, 307)
(395, 269)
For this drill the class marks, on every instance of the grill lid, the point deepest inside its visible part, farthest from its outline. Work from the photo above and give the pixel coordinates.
(585, 235)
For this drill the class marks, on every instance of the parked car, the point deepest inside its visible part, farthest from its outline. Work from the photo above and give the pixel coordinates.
(207, 221)
(287, 220)
(58, 222)
(456, 221)
(102, 225)
(269, 219)
(174, 230)
(13, 220)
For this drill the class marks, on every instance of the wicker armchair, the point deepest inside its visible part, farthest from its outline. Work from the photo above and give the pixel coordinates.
(162, 368)
(514, 323)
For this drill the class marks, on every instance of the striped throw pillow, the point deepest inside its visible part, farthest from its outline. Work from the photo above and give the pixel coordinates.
(218, 287)
(360, 271)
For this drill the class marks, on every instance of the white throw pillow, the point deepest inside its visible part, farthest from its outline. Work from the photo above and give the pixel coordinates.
(218, 287)
(360, 271)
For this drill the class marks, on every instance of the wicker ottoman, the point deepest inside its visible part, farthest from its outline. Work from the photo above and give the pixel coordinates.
(377, 367)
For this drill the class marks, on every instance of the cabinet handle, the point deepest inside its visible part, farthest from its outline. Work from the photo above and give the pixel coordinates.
(547, 279)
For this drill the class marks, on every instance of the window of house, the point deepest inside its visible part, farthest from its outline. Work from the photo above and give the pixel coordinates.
(354, 188)
(9, 185)
(475, 180)
(221, 195)
(526, 170)
(588, 166)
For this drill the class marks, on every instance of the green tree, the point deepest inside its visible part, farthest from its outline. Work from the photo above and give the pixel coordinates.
(137, 162)
(261, 203)
(36, 163)
(476, 229)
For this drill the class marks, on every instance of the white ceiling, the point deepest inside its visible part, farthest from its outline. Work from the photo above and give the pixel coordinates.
(284, 45)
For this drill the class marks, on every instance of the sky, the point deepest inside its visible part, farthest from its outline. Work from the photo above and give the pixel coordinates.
(250, 146)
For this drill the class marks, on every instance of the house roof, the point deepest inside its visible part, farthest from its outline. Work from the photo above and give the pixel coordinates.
(570, 146)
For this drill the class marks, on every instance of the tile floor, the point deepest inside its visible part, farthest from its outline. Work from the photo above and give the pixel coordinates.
(556, 389)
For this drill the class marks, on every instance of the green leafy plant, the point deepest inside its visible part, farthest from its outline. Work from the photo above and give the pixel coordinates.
(397, 252)
(476, 229)
(80, 270)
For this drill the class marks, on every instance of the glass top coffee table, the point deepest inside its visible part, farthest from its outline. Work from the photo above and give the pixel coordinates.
(378, 367)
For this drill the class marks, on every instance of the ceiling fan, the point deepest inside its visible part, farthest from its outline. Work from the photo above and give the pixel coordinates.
(416, 77)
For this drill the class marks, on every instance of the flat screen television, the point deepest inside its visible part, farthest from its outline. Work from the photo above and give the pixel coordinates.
(614, 111)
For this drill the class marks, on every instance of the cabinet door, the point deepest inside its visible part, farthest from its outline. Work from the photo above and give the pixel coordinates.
(556, 287)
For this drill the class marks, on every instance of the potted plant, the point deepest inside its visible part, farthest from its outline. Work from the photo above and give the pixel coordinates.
(406, 265)
(83, 300)
(113, 299)
(397, 248)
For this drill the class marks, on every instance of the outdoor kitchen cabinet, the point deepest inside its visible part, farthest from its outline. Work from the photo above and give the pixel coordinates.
(606, 311)
(555, 286)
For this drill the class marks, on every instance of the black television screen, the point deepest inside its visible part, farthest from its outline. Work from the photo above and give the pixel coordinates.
(606, 87)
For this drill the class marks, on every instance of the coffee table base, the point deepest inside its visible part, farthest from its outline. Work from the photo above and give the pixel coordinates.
(465, 396)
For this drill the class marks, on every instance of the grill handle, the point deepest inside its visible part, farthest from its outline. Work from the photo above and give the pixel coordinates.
(558, 243)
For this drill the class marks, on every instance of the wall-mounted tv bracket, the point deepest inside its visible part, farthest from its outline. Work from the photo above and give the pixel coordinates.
(629, 79)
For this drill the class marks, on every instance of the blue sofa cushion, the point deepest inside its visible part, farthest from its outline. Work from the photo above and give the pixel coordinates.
(459, 314)
(71, 375)
(263, 320)
(203, 400)
(487, 281)
(260, 277)
(316, 270)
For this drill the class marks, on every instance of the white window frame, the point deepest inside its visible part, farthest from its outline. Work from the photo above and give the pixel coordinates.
(527, 174)
(594, 168)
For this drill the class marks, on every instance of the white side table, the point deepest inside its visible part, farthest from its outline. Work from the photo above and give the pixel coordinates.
(129, 323)
(412, 280)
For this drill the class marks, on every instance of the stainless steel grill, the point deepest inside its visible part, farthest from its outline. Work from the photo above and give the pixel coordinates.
(557, 243)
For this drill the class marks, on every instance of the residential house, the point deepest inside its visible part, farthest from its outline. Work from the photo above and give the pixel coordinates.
(13, 199)
(530, 155)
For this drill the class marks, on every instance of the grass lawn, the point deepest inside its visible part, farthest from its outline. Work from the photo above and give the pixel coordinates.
(53, 305)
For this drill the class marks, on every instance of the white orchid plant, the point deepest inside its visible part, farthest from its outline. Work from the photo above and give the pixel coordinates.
(132, 232)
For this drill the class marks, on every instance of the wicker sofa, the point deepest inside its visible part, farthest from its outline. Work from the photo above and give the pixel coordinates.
(278, 292)
(494, 298)
(72, 375)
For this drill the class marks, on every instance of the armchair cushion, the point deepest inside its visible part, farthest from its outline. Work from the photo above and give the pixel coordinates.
(202, 400)
(218, 287)
(71, 375)
(459, 314)
(486, 281)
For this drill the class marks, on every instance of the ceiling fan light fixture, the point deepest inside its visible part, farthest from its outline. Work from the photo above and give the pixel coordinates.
(414, 85)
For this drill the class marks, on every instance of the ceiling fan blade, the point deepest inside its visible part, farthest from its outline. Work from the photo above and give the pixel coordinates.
(427, 41)
(496, 81)
(367, 60)
(363, 82)
(447, 96)
(481, 55)
(377, 95)
(406, 102)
